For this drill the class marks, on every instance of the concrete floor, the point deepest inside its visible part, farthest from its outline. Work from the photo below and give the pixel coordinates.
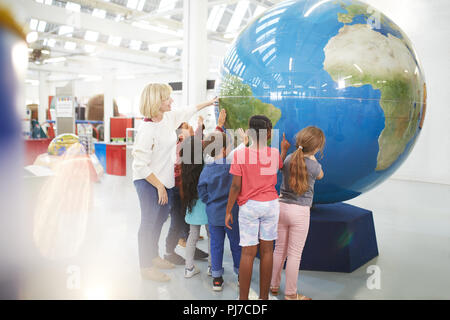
(412, 223)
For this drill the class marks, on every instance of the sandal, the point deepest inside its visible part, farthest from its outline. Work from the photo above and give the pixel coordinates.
(274, 290)
(298, 296)
(162, 263)
(154, 274)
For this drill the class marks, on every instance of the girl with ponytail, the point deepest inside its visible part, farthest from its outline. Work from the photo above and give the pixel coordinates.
(300, 171)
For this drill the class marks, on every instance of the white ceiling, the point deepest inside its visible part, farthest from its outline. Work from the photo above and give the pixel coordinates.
(126, 37)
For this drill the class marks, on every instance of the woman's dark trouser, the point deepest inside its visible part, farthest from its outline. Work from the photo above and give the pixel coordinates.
(178, 227)
(153, 217)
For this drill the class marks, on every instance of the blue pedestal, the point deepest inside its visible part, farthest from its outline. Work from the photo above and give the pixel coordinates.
(100, 152)
(341, 238)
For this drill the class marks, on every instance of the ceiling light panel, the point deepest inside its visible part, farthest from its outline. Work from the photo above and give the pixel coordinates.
(33, 24)
(91, 36)
(41, 26)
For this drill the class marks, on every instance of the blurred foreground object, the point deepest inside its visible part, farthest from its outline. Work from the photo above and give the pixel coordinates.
(13, 65)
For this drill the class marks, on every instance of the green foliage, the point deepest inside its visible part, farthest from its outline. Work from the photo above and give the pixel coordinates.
(237, 99)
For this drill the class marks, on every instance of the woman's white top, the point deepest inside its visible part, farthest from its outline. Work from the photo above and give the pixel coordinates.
(154, 149)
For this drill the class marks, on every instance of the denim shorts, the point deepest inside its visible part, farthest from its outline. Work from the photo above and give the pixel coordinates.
(258, 220)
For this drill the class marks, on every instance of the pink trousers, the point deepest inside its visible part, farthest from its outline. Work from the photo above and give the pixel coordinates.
(293, 226)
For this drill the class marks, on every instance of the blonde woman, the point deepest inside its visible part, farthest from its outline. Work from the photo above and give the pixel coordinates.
(154, 156)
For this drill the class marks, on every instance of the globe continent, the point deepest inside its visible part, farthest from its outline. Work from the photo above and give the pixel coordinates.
(341, 66)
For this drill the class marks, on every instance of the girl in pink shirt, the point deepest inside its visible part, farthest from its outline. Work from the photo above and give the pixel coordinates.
(254, 171)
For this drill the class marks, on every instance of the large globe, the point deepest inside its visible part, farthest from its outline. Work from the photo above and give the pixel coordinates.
(341, 66)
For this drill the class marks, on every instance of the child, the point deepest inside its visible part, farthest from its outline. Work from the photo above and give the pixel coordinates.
(179, 229)
(213, 187)
(300, 171)
(254, 171)
(191, 167)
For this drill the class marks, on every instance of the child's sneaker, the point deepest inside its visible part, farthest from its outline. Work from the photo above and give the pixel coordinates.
(189, 273)
(209, 271)
(218, 284)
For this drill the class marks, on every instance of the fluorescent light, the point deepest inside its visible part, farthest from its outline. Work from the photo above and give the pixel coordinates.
(69, 45)
(215, 16)
(132, 4)
(41, 26)
(66, 31)
(49, 2)
(45, 51)
(115, 41)
(73, 6)
(141, 4)
(55, 60)
(33, 24)
(238, 15)
(91, 36)
(99, 13)
(135, 44)
(32, 37)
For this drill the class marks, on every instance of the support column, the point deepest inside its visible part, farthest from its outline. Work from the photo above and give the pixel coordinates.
(195, 55)
(108, 105)
(43, 97)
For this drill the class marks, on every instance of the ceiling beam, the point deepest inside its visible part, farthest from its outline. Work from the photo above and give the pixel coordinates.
(81, 20)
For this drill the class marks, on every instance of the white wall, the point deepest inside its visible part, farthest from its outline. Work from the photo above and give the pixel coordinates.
(427, 24)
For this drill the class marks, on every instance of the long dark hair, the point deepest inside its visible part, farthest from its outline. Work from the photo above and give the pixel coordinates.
(191, 156)
(308, 140)
(258, 123)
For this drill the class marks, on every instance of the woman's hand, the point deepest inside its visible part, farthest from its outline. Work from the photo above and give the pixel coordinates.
(207, 103)
(214, 101)
(228, 219)
(163, 199)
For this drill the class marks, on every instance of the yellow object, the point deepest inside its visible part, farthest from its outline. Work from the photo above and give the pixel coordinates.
(7, 21)
(62, 143)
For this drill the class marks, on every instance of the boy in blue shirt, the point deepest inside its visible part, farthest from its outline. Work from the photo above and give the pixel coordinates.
(213, 188)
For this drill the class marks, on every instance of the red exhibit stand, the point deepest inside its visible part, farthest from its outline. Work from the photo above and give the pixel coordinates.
(116, 159)
(35, 147)
(119, 127)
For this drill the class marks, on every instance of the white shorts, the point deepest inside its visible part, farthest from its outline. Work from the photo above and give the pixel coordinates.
(258, 220)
